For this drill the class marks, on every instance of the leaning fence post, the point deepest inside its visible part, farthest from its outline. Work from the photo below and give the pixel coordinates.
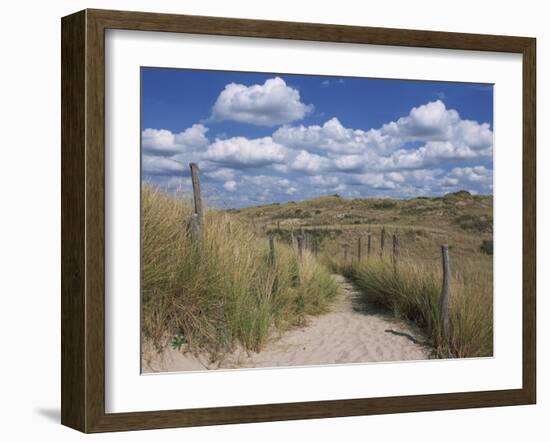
(272, 250)
(359, 249)
(197, 218)
(382, 241)
(300, 240)
(194, 226)
(197, 192)
(444, 304)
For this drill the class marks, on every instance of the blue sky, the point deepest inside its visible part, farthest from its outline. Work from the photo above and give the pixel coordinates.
(262, 138)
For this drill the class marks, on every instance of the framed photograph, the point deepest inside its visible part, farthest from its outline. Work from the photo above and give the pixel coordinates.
(269, 220)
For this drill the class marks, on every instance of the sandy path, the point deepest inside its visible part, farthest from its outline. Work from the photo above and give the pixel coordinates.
(351, 332)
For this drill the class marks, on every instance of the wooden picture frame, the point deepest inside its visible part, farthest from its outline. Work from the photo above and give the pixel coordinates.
(83, 220)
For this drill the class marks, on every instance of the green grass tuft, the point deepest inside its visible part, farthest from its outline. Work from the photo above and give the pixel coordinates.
(413, 291)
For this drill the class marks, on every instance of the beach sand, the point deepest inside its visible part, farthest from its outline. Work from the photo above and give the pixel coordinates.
(351, 332)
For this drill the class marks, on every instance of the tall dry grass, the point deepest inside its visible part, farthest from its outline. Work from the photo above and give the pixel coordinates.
(412, 292)
(222, 290)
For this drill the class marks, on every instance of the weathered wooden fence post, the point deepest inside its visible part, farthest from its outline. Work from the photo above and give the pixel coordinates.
(197, 218)
(199, 210)
(300, 240)
(359, 248)
(345, 253)
(369, 243)
(395, 255)
(293, 240)
(382, 241)
(194, 226)
(272, 250)
(445, 289)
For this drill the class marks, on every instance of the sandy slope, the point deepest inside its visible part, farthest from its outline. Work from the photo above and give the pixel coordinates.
(351, 332)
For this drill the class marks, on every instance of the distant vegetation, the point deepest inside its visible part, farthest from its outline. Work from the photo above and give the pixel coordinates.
(221, 291)
(471, 213)
(384, 205)
(474, 223)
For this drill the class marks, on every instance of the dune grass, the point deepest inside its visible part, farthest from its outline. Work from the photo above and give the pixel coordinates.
(222, 290)
(413, 291)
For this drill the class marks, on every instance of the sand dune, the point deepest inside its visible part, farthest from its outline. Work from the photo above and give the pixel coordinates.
(351, 332)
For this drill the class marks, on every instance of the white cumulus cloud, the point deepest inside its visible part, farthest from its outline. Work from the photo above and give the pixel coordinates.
(445, 134)
(379, 181)
(475, 179)
(241, 152)
(428, 151)
(429, 121)
(473, 174)
(270, 104)
(163, 141)
(309, 162)
(332, 136)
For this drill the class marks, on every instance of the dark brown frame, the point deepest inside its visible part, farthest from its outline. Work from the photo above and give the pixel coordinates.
(83, 216)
